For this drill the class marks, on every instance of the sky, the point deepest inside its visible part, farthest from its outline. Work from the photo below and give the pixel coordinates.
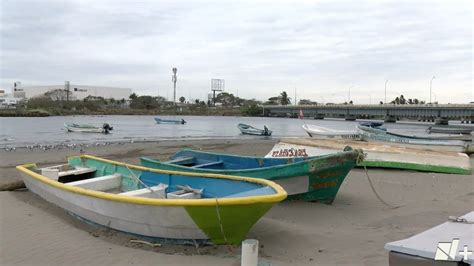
(325, 51)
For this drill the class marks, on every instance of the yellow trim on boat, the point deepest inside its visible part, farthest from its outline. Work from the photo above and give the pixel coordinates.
(277, 197)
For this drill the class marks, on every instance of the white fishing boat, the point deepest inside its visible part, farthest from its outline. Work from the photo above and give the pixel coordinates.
(323, 132)
(86, 128)
(383, 155)
(450, 243)
(155, 203)
(250, 130)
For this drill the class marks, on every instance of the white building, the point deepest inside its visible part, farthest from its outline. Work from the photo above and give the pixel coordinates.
(8, 100)
(77, 91)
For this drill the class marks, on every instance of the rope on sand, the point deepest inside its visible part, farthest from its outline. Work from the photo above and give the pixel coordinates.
(360, 158)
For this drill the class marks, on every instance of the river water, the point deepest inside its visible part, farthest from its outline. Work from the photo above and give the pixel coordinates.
(25, 131)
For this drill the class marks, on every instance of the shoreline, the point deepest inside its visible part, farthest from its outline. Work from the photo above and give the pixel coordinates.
(34, 231)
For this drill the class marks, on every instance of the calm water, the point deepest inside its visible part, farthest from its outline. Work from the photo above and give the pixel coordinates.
(22, 131)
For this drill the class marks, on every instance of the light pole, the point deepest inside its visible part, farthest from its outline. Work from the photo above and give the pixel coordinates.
(349, 95)
(431, 83)
(385, 102)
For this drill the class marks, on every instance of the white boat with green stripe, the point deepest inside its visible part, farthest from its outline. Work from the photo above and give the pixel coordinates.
(155, 203)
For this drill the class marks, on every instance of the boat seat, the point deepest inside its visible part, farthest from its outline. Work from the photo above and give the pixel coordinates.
(101, 183)
(58, 171)
(159, 192)
(182, 160)
(204, 165)
(254, 192)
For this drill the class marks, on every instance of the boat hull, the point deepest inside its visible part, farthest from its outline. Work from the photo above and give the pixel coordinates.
(249, 130)
(326, 133)
(84, 130)
(222, 220)
(370, 134)
(317, 179)
(382, 155)
(169, 121)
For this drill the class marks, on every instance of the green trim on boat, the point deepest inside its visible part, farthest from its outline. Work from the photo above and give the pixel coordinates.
(232, 230)
(416, 167)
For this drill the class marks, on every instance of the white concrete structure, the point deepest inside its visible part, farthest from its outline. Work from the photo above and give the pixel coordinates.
(8, 100)
(77, 91)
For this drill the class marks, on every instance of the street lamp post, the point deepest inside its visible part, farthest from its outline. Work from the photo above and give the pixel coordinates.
(431, 83)
(386, 91)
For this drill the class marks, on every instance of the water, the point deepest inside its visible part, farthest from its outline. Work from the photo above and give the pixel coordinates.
(23, 131)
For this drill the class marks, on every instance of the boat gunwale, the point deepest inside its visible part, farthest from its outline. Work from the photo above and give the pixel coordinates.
(306, 160)
(280, 193)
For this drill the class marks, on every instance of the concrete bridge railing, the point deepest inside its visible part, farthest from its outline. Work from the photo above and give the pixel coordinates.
(439, 113)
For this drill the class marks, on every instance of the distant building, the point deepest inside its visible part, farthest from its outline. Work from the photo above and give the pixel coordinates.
(8, 100)
(78, 92)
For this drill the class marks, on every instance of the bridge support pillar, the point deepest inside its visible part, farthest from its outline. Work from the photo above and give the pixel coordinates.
(350, 117)
(390, 119)
(441, 121)
(319, 116)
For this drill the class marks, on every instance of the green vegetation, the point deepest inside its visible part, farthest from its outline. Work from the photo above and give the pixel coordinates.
(62, 102)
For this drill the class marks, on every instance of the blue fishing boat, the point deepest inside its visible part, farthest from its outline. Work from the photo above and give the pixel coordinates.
(250, 130)
(310, 179)
(170, 121)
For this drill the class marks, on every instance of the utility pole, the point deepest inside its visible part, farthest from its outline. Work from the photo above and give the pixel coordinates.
(385, 102)
(431, 83)
(67, 89)
(174, 79)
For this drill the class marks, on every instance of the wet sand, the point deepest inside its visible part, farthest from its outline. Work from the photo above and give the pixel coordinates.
(351, 231)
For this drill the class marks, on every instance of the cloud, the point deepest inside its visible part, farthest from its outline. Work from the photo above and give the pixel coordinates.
(259, 48)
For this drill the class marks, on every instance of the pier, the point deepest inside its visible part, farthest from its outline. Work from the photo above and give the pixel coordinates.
(438, 113)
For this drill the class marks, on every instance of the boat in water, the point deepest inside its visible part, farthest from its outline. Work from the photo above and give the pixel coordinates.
(449, 243)
(374, 134)
(155, 203)
(310, 179)
(378, 154)
(315, 131)
(87, 128)
(250, 130)
(323, 132)
(450, 130)
(170, 121)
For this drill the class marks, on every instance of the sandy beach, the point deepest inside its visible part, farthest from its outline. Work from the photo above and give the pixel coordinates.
(351, 231)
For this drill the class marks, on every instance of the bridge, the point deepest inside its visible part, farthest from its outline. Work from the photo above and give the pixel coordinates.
(438, 113)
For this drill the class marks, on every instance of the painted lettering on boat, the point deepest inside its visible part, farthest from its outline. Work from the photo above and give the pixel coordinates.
(329, 174)
(324, 185)
(290, 153)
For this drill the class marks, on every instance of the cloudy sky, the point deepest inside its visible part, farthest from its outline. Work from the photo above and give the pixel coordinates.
(318, 48)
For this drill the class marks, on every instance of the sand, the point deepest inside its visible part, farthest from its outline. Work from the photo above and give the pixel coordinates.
(351, 231)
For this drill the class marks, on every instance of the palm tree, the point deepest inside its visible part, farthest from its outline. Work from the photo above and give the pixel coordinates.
(284, 99)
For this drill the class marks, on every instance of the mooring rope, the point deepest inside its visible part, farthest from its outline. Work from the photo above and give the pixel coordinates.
(220, 222)
(360, 159)
(138, 179)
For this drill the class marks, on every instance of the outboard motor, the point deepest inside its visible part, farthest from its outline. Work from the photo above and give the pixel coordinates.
(107, 128)
(265, 130)
(183, 122)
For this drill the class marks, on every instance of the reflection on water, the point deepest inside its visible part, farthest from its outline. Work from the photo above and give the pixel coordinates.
(21, 131)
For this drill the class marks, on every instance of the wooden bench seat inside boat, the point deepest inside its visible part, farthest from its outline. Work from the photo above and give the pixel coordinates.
(183, 161)
(65, 173)
(101, 183)
(158, 192)
(204, 165)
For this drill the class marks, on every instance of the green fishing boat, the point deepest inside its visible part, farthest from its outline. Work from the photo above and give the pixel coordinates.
(308, 179)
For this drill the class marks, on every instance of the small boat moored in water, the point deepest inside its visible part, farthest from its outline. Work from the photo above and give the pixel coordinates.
(155, 203)
(378, 154)
(169, 121)
(449, 130)
(309, 179)
(250, 130)
(86, 128)
(323, 132)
